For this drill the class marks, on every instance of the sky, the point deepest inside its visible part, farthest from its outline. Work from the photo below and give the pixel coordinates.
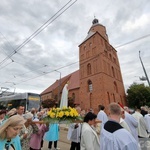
(32, 58)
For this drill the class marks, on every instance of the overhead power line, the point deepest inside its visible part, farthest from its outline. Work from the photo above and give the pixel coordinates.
(78, 61)
(140, 38)
(45, 73)
(41, 28)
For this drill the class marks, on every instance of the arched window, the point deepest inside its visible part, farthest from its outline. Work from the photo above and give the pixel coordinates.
(73, 96)
(114, 60)
(90, 87)
(102, 42)
(115, 87)
(90, 44)
(106, 54)
(114, 97)
(113, 72)
(121, 100)
(110, 56)
(108, 97)
(89, 69)
(56, 97)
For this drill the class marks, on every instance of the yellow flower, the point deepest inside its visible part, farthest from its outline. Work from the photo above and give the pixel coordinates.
(58, 109)
(61, 114)
(48, 113)
(71, 113)
(64, 113)
(67, 113)
(64, 107)
(52, 115)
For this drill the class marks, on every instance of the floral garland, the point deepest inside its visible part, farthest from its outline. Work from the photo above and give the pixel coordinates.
(64, 115)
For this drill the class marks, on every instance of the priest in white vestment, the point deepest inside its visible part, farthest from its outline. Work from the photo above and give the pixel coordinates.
(102, 115)
(147, 120)
(113, 136)
(132, 123)
(142, 126)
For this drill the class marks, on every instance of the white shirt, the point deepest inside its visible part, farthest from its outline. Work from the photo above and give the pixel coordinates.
(102, 116)
(133, 125)
(147, 120)
(142, 127)
(74, 134)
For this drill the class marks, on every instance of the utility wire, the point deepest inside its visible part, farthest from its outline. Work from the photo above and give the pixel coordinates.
(9, 44)
(40, 29)
(45, 73)
(140, 38)
(78, 61)
(7, 64)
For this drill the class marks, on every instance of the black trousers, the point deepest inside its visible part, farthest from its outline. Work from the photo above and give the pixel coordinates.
(75, 146)
(50, 144)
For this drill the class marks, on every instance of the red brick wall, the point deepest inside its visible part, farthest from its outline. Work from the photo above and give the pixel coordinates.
(96, 53)
(105, 72)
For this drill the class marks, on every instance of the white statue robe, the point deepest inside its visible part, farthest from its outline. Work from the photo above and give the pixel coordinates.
(133, 125)
(89, 138)
(120, 139)
(64, 97)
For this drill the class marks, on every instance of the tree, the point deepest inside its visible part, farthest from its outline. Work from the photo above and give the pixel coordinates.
(48, 103)
(138, 95)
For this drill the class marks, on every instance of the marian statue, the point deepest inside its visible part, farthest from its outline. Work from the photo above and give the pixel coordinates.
(64, 97)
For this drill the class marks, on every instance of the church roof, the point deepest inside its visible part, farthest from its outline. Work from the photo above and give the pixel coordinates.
(90, 34)
(95, 22)
(73, 79)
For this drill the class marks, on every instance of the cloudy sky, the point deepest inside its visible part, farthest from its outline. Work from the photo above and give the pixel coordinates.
(30, 54)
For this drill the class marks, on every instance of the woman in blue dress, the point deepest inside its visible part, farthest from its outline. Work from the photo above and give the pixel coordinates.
(52, 136)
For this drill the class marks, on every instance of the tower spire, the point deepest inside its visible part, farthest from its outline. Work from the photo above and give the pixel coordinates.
(95, 21)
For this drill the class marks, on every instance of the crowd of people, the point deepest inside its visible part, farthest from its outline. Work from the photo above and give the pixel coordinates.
(118, 129)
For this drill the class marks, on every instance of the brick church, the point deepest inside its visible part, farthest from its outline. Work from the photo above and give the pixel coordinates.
(98, 80)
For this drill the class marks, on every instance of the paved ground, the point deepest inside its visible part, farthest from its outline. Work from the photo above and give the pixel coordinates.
(63, 143)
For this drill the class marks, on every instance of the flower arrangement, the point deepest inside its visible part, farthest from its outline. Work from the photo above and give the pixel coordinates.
(64, 115)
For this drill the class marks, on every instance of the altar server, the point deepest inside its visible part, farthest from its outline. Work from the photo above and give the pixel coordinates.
(113, 136)
(132, 123)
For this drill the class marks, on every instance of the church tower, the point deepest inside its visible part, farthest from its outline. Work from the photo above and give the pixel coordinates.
(100, 75)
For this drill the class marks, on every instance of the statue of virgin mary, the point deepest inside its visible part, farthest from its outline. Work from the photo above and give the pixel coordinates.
(64, 97)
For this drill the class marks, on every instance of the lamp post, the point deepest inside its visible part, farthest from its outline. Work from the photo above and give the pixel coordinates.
(59, 86)
(144, 70)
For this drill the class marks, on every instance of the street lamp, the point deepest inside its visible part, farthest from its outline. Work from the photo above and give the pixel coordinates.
(59, 86)
(144, 70)
(141, 78)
